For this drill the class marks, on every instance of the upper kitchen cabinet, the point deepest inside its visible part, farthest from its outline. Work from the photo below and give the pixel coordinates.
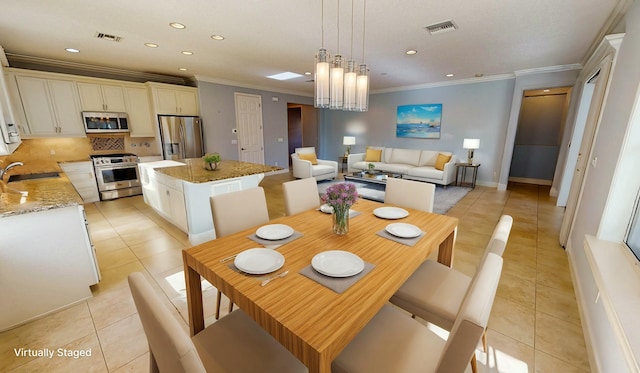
(141, 119)
(101, 97)
(174, 100)
(51, 107)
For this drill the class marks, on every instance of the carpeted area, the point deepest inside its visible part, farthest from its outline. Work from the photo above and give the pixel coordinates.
(445, 198)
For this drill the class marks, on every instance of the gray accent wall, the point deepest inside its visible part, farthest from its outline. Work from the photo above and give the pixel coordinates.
(217, 109)
(474, 110)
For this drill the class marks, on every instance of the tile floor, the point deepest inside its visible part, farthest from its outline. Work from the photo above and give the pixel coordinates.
(534, 326)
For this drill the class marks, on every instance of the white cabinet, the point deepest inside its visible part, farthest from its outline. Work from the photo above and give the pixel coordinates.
(101, 97)
(142, 122)
(176, 100)
(171, 200)
(48, 263)
(83, 178)
(51, 107)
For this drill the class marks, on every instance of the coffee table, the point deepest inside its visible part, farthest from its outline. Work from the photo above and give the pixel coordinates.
(378, 177)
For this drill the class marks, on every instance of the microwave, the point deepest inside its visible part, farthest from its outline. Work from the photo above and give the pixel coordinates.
(101, 122)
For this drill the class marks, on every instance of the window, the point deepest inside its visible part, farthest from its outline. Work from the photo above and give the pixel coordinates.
(633, 236)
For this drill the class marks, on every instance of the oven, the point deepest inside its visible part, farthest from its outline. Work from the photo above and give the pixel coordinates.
(117, 175)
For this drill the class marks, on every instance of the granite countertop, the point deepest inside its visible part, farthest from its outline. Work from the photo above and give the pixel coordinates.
(194, 172)
(22, 197)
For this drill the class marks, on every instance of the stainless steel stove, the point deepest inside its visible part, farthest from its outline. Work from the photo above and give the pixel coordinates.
(117, 175)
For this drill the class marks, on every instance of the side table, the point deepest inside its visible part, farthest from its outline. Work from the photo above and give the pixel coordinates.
(343, 161)
(463, 167)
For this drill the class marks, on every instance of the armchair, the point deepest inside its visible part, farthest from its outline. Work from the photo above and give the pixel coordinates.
(305, 164)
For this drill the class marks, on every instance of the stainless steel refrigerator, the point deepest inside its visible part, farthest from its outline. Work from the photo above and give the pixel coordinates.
(181, 137)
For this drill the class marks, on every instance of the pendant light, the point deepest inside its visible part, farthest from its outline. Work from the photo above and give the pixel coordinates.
(321, 73)
(336, 75)
(362, 80)
(350, 76)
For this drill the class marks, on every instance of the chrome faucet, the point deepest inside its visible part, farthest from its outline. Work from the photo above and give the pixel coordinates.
(3, 171)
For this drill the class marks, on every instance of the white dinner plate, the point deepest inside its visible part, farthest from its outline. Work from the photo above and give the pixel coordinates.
(337, 263)
(326, 209)
(403, 230)
(259, 261)
(274, 231)
(390, 213)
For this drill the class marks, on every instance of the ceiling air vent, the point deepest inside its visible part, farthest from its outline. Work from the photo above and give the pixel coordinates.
(102, 35)
(441, 27)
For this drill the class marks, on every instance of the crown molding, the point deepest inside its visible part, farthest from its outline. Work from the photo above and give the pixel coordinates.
(75, 68)
(549, 69)
(445, 84)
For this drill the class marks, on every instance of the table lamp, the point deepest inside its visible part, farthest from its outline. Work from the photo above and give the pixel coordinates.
(470, 144)
(348, 141)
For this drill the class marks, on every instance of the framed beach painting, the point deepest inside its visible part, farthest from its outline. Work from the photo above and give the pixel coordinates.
(419, 121)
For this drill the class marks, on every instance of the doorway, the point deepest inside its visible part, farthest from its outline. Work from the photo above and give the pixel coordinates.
(538, 136)
(302, 126)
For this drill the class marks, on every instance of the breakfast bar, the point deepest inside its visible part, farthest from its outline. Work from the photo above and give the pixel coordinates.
(179, 190)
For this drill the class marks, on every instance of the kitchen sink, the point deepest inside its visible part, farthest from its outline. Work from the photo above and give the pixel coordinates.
(42, 175)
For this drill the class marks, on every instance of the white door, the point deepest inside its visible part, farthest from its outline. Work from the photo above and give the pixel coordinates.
(591, 128)
(249, 125)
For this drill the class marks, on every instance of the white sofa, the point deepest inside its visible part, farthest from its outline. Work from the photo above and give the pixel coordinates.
(412, 164)
(303, 169)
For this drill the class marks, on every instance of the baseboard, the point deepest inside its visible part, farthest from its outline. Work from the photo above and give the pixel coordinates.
(283, 171)
(527, 180)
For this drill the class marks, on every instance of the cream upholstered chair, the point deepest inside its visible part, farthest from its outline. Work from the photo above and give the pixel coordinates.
(435, 292)
(394, 342)
(305, 164)
(411, 194)
(300, 195)
(234, 344)
(236, 211)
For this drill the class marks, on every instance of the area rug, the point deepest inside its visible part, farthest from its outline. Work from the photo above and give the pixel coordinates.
(445, 198)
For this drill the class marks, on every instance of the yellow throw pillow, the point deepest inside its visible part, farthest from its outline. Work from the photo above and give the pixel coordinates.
(311, 157)
(373, 155)
(441, 161)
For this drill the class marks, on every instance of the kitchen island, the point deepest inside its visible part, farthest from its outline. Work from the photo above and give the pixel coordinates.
(47, 261)
(179, 190)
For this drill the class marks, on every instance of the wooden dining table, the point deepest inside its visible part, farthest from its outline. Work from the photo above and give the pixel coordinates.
(312, 321)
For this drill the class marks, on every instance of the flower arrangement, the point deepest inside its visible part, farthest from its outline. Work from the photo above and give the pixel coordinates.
(340, 197)
(371, 167)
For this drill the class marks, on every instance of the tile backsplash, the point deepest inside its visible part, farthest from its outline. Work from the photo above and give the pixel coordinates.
(43, 154)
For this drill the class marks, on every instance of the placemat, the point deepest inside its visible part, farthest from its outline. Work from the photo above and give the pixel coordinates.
(404, 241)
(337, 284)
(283, 241)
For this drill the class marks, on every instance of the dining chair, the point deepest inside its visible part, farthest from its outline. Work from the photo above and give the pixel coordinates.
(411, 194)
(435, 292)
(236, 211)
(234, 344)
(394, 342)
(300, 195)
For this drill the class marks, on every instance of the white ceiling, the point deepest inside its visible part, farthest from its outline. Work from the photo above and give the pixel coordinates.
(495, 37)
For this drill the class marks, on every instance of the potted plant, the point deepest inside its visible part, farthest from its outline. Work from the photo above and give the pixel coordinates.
(371, 167)
(211, 161)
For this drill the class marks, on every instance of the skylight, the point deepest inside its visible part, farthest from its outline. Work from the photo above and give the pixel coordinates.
(284, 76)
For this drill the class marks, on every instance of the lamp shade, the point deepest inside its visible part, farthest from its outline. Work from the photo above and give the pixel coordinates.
(349, 140)
(471, 144)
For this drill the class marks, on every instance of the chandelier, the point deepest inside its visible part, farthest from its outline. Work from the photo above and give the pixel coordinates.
(338, 87)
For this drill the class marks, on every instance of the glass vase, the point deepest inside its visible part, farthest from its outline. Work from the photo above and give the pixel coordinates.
(340, 220)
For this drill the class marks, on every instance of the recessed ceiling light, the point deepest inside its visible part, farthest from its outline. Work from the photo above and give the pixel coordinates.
(284, 76)
(183, 69)
(151, 45)
(449, 75)
(177, 25)
(546, 90)
(72, 50)
(411, 52)
(187, 53)
(217, 37)
(307, 73)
